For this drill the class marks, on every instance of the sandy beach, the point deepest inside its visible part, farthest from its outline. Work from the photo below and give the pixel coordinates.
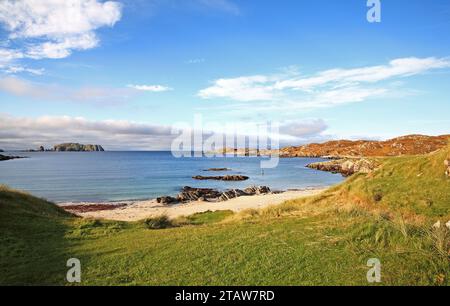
(135, 211)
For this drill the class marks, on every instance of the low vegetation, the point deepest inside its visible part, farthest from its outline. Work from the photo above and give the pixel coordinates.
(324, 240)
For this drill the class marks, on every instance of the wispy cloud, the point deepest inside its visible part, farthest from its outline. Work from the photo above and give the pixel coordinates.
(150, 88)
(248, 88)
(19, 69)
(326, 88)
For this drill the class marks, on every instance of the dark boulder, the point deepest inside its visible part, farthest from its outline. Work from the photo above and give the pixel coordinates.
(166, 200)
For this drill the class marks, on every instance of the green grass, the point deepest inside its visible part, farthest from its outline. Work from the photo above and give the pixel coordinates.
(323, 240)
(415, 184)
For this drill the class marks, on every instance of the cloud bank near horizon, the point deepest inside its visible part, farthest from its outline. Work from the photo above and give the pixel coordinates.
(18, 133)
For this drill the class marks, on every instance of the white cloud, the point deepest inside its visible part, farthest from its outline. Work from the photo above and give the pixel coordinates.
(326, 88)
(151, 88)
(54, 28)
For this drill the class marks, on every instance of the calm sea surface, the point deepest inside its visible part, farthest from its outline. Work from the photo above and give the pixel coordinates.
(117, 176)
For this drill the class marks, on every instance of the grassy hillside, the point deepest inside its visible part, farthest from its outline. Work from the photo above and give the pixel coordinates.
(324, 240)
(414, 185)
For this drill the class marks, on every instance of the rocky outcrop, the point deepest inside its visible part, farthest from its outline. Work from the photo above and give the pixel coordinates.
(76, 147)
(234, 178)
(346, 167)
(217, 169)
(447, 166)
(5, 157)
(190, 194)
(194, 194)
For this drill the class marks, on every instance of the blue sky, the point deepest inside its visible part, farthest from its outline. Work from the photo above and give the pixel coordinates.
(123, 71)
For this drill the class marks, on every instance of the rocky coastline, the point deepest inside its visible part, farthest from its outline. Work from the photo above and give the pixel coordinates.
(345, 166)
(189, 194)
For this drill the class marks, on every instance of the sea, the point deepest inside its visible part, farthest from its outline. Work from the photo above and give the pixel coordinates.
(123, 176)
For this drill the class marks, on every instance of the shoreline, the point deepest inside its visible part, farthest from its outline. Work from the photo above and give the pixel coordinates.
(142, 209)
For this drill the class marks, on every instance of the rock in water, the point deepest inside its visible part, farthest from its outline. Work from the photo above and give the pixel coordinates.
(222, 178)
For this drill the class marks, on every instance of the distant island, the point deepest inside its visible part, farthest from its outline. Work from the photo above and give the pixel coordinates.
(76, 147)
(69, 147)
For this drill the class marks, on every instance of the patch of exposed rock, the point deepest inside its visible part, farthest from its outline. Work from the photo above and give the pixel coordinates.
(447, 166)
(233, 178)
(346, 167)
(217, 169)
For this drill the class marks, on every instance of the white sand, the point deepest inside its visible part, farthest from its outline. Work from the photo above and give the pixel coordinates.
(145, 209)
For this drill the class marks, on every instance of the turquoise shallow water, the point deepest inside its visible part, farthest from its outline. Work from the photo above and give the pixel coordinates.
(117, 176)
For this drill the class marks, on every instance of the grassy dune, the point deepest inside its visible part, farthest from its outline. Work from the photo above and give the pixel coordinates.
(324, 240)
